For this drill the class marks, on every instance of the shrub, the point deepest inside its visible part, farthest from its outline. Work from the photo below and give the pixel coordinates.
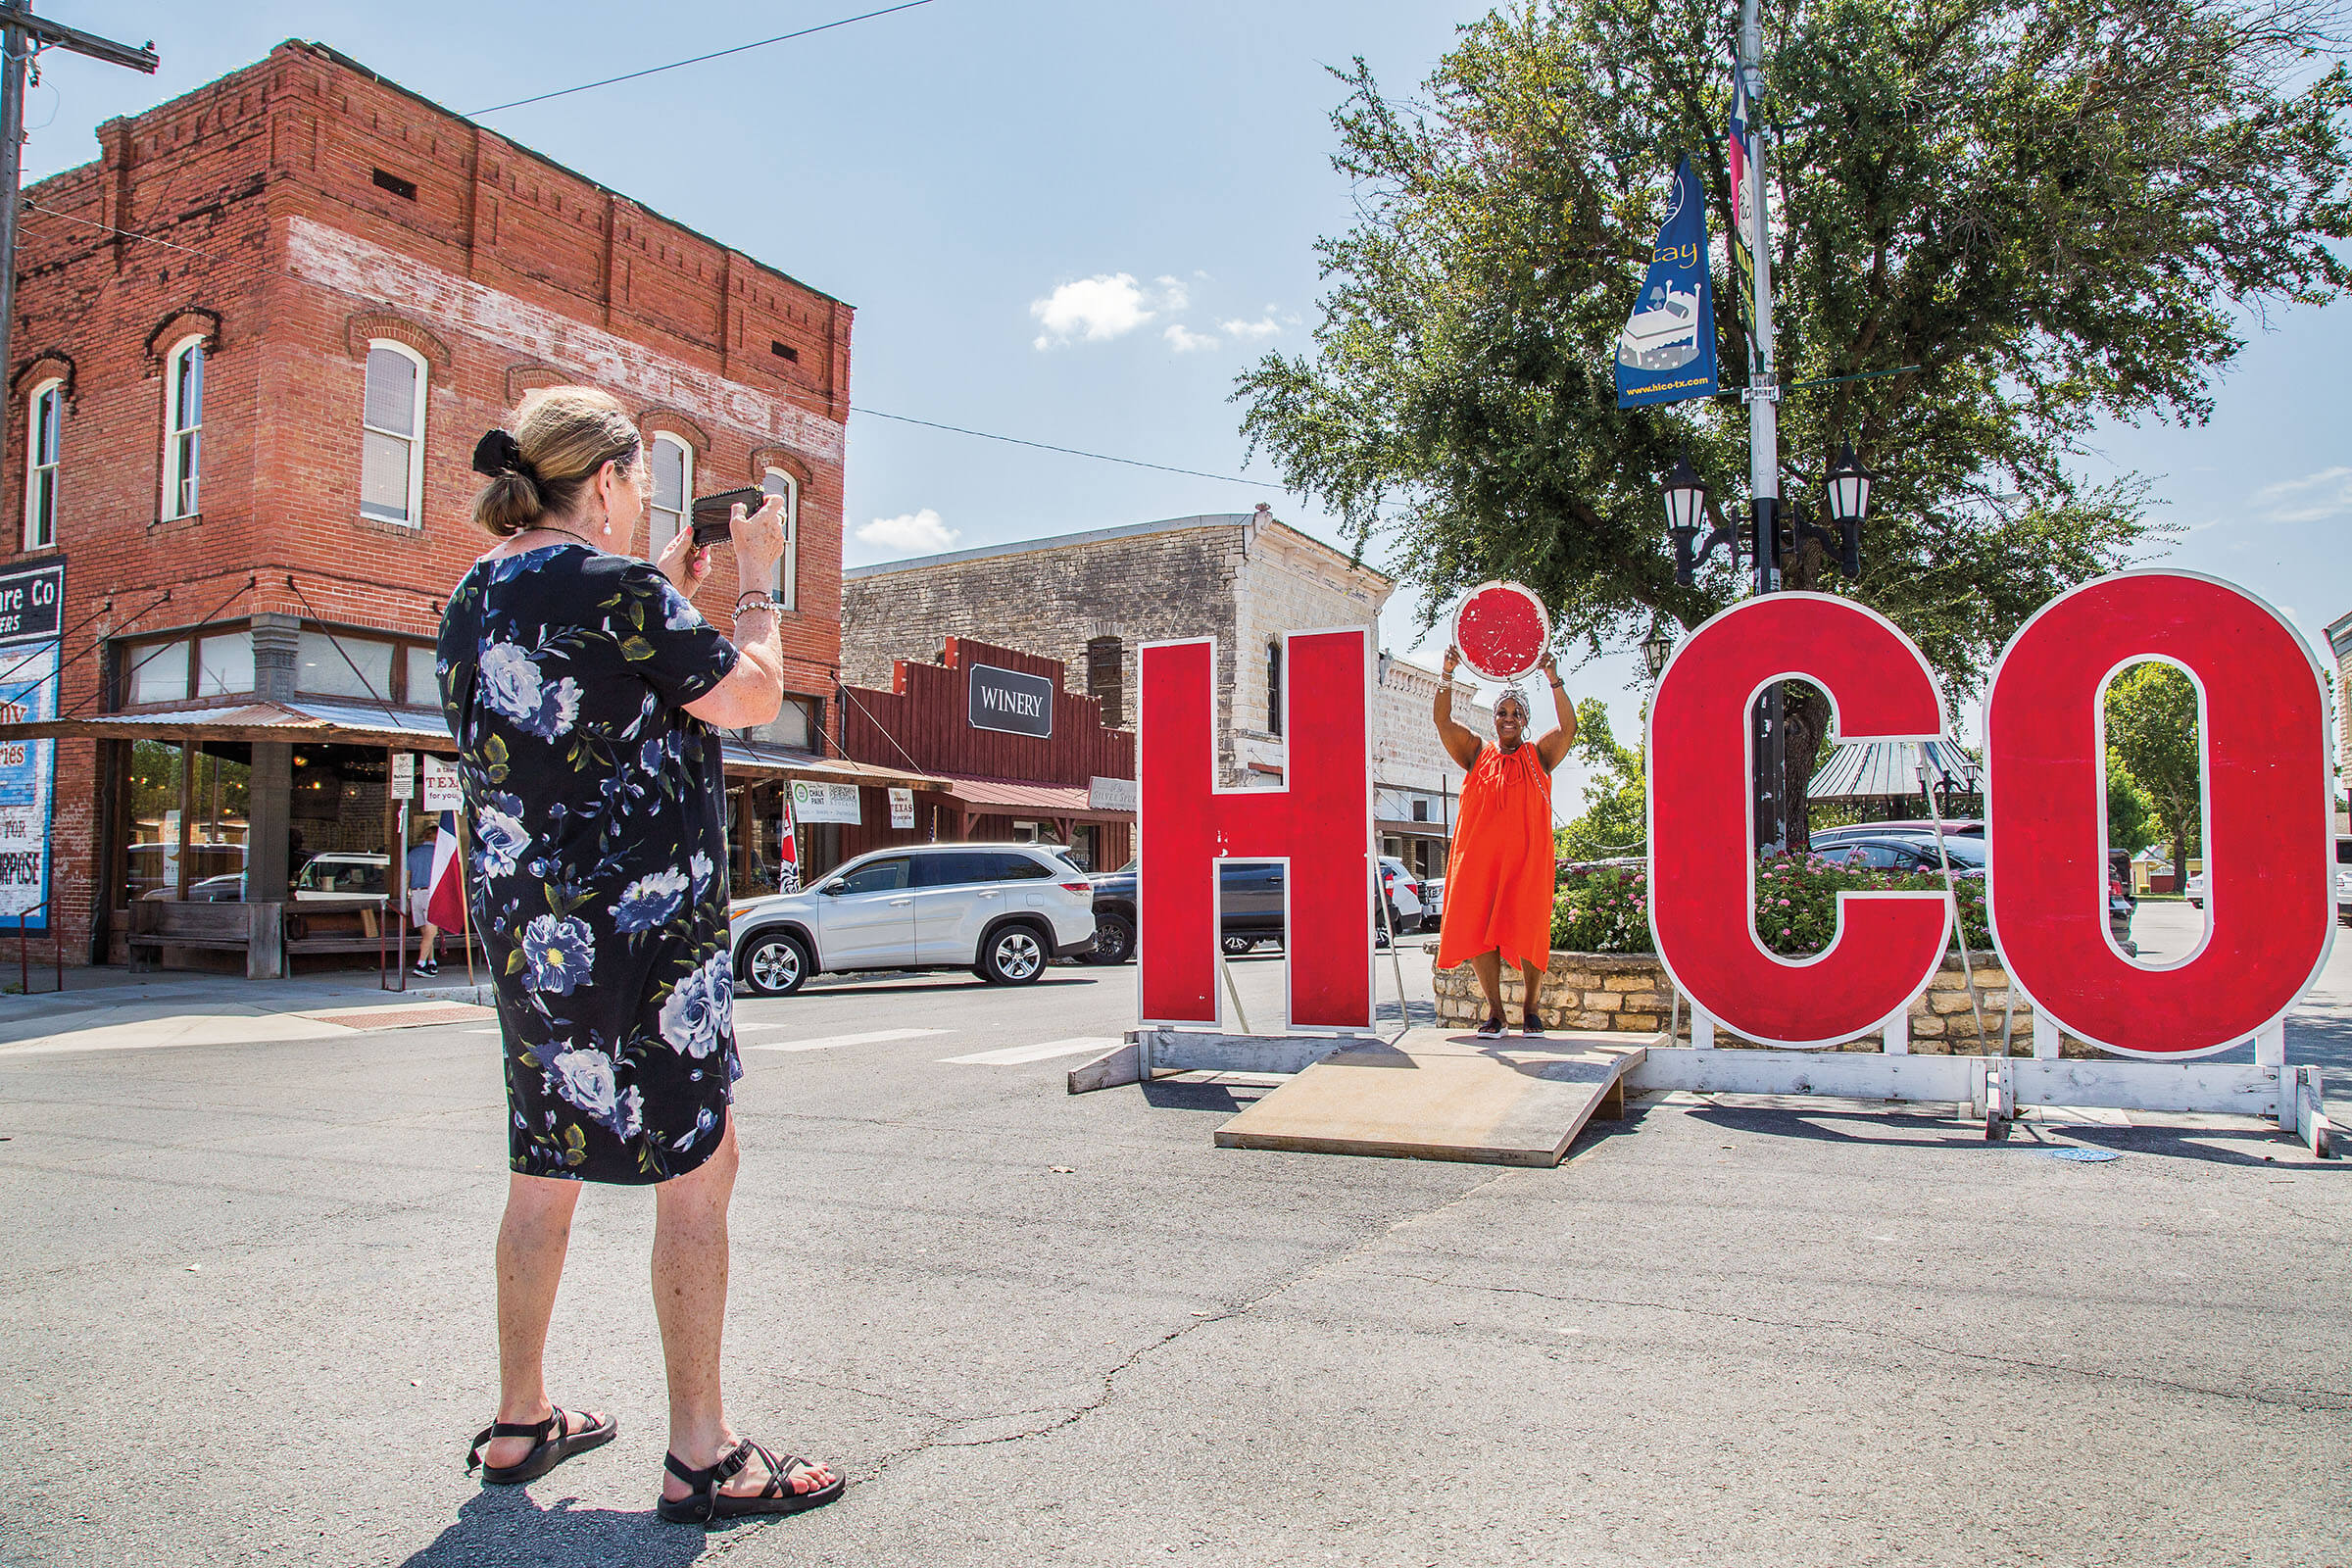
(1607, 910)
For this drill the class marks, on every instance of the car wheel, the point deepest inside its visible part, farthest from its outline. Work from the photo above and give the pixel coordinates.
(1115, 940)
(1013, 957)
(773, 963)
(1235, 946)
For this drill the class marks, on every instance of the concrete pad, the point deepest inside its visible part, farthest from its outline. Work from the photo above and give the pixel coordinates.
(1438, 1095)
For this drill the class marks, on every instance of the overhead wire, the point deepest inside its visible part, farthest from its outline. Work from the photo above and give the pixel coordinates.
(715, 54)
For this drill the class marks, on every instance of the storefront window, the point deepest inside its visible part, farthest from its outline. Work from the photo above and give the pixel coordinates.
(326, 670)
(159, 672)
(219, 803)
(225, 664)
(424, 687)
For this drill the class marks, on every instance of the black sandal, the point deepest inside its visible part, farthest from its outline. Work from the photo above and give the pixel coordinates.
(1492, 1027)
(551, 1445)
(707, 1504)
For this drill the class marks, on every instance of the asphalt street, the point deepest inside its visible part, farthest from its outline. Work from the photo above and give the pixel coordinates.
(247, 1309)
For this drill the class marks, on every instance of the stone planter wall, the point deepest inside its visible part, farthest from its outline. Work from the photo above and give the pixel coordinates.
(1631, 993)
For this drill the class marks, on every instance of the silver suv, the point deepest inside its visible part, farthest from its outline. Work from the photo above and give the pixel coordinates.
(1003, 911)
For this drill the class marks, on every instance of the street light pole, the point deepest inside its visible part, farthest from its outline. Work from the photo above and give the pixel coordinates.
(1763, 449)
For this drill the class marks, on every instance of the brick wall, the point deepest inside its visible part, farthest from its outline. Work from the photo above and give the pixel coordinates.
(274, 239)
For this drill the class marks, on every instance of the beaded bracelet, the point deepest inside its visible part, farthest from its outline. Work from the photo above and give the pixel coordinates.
(754, 601)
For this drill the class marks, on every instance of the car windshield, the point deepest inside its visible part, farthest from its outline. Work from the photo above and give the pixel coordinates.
(1964, 851)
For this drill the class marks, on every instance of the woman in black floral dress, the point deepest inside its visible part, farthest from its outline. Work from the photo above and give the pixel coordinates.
(582, 686)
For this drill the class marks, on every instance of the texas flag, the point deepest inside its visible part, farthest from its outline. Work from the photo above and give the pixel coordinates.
(445, 904)
(788, 851)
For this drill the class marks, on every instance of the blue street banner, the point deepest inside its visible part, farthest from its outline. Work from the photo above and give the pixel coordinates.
(1667, 350)
(32, 601)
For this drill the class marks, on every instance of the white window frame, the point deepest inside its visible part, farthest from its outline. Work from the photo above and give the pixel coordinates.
(175, 480)
(53, 389)
(653, 546)
(787, 584)
(415, 517)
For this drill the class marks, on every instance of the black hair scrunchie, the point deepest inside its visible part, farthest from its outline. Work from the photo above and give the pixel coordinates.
(498, 454)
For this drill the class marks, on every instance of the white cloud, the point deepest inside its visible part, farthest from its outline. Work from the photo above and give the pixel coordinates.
(1186, 340)
(1108, 305)
(2314, 498)
(1263, 327)
(910, 533)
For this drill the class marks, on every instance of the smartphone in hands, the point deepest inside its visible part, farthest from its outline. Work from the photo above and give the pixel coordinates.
(711, 522)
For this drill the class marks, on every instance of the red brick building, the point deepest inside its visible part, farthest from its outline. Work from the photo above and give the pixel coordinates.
(264, 407)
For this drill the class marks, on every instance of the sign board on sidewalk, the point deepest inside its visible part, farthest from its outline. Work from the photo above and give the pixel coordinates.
(815, 801)
(31, 599)
(902, 807)
(441, 792)
(404, 776)
(1009, 702)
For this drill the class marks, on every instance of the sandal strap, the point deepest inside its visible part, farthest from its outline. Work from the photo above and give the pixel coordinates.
(706, 1482)
(536, 1431)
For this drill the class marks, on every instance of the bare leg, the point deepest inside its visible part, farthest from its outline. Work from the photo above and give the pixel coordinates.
(1488, 966)
(532, 1240)
(424, 948)
(690, 1298)
(1533, 974)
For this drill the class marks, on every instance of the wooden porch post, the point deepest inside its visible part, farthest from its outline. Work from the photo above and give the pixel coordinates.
(188, 753)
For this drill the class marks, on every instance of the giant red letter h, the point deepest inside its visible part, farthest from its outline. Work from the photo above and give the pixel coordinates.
(1319, 825)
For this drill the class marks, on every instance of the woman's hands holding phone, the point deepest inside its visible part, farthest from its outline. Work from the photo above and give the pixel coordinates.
(685, 565)
(759, 543)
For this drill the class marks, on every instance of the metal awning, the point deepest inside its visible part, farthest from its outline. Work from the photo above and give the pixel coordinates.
(1877, 770)
(996, 797)
(418, 729)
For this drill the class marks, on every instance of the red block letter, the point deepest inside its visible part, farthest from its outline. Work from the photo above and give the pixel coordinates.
(2262, 716)
(1321, 824)
(1701, 810)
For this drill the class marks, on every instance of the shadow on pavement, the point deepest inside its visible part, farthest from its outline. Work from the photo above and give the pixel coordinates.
(2243, 1146)
(502, 1527)
(1226, 1099)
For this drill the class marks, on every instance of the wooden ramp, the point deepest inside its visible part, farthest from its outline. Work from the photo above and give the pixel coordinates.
(1439, 1096)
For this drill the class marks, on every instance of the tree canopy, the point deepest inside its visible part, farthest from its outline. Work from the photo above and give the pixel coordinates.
(1615, 820)
(2152, 728)
(2060, 211)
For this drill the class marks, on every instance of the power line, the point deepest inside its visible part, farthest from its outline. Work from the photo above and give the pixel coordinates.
(1072, 452)
(49, 212)
(715, 54)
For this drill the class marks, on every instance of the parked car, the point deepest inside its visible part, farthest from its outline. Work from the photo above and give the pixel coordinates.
(1405, 894)
(343, 874)
(1249, 911)
(1906, 852)
(1003, 911)
(208, 863)
(2195, 890)
(1432, 902)
(1953, 827)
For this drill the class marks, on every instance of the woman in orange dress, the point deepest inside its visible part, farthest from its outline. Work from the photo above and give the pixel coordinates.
(1499, 879)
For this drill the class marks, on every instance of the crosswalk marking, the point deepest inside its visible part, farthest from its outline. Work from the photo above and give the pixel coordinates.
(1012, 1056)
(828, 1042)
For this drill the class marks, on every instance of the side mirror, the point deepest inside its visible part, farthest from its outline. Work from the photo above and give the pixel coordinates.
(834, 889)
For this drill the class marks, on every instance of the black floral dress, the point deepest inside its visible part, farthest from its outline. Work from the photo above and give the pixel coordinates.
(598, 857)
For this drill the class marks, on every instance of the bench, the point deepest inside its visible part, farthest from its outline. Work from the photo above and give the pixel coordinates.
(161, 925)
(335, 925)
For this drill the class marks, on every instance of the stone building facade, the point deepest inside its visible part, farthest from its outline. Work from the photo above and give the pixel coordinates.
(258, 339)
(2339, 643)
(1090, 599)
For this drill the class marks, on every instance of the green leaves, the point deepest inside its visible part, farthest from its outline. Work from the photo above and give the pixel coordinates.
(494, 752)
(636, 650)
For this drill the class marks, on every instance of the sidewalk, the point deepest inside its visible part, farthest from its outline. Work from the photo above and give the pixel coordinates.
(111, 998)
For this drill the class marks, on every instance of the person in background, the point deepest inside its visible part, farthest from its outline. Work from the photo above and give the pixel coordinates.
(420, 895)
(1499, 884)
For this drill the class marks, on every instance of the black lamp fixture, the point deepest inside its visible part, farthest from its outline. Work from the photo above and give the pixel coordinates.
(1657, 647)
(1848, 490)
(1686, 504)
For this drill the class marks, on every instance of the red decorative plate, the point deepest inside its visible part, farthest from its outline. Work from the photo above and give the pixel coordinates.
(1501, 630)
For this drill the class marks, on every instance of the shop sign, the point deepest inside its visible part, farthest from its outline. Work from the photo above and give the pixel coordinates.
(815, 801)
(31, 612)
(404, 776)
(441, 792)
(1112, 794)
(1010, 702)
(902, 807)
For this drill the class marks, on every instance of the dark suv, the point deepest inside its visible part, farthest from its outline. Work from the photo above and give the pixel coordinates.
(1249, 904)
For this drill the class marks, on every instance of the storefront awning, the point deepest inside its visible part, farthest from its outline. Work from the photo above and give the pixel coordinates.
(413, 730)
(1865, 770)
(997, 797)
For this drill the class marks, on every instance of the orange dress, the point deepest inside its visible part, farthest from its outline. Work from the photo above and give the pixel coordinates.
(1500, 878)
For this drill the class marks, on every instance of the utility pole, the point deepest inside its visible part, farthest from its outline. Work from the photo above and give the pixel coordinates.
(1763, 396)
(22, 34)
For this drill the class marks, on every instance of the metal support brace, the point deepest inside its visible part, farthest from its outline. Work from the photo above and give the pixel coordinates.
(1702, 1029)
(2270, 1051)
(1897, 1034)
(2000, 1100)
(2045, 1035)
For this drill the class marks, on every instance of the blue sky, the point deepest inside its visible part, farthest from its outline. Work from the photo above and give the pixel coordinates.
(1075, 223)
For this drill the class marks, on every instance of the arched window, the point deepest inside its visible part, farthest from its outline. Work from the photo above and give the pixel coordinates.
(787, 583)
(392, 434)
(183, 426)
(43, 425)
(672, 463)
